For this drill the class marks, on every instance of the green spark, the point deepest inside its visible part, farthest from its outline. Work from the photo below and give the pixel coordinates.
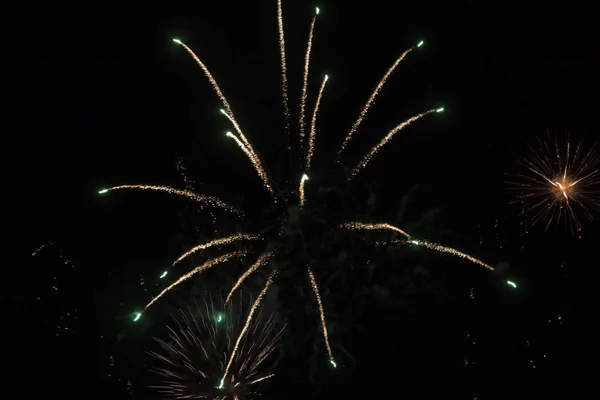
(326, 77)
(511, 283)
(103, 191)
(420, 43)
(440, 109)
(229, 134)
(223, 111)
(177, 41)
(164, 274)
(333, 363)
(138, 315)
(415, 242)
(222, 383)
(317, 10)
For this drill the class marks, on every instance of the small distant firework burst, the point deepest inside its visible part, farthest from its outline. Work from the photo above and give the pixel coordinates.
(270, 243)
(560, 181)
(201, 347)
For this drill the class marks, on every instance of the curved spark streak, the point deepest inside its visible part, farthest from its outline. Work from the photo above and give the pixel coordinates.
(215, 242)
(356, 225)
(313, 283)
(386, 139)
(210, 263)
(262, 260)
(369, 102)
(248, 321)
(301, 189)
(313, 132)
(284, 94)
(441, 249)
(262, 174)
(208, 200)
(305, 80)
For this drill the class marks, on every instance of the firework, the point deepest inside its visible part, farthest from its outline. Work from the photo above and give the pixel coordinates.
(199, 350)
(305, 76)
(560, 181)
(290, 222)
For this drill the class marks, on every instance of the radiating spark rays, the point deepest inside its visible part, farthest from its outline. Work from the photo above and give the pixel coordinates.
(208, 264)
(357, 225)
(215, 242)
(369, 102)
(262, 174)
(261, 379)
(440, 248)
(247, 324)
(262, 260)
(313, 132)
(315, 288)
(559, 182)
(386, 139)
(206, 200)
(305, 80)
(301, 189)
(284, 94)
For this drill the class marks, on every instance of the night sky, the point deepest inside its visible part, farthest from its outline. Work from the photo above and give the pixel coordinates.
(101, 96)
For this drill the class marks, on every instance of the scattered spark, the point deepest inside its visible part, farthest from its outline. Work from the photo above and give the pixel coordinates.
(210, 263)
(137, 316)
(370, 227)
(561, 180)
(383, 141)
(511, 283)
(164, 274)
(102, 191)
(42, 247)
(205, 200)
(439, 109)
(248, 322)
(420, 43)
(305, 80)
(302, 197)
(313, 132)
(313, 283)
(177, 41)
(215, 242)
(317, 10)
(369, 103)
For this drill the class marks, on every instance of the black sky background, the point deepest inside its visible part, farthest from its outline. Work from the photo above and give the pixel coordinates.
(101, 96)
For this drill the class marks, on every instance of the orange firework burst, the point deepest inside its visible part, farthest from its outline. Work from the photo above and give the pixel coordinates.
(294, 224)
(561, 181)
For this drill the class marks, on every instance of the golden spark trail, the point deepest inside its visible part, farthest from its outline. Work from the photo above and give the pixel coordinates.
(301, 189)
(239, 131)
(313, 283)
(441, 249)
(313, 132)
(284, 94)
(212, 80)
(370, 227)
(197, 270)
(369, 103)
(247, 324)
(215, 242)
(262, 260)
(260, 379)
(262, 174)
(208, 200)
(386, 139)
(305, 80)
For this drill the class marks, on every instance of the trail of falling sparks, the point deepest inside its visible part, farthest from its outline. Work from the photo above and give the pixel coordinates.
(441, 249)
(305, 80)
(208, 200)
(313, 283)
(313, 132)
(301, 189)
(215, 242)
(284, 94)
(387, 138)
(262, 260)
(262, 174)
(212, 80)
(369, 102)
(210, 263)
(370, 227)
(247, 324)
